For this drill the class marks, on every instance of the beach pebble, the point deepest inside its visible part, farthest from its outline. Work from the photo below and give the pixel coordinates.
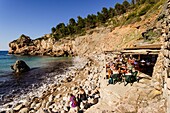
(25, 103)
(50, 99)
(55, 110)
(33, 105)
(66, 108)
(43, 103)
(47, 104)
(24, 110)
(81, 105)
(51, 107)
(65, 98)
(59, 88)
(90, 100)
(58, 96)
(97, 96)
(37, 106)
(39, 111)
(18, 107)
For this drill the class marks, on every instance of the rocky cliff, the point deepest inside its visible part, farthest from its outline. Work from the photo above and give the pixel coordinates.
(95, 41)
(42, 46)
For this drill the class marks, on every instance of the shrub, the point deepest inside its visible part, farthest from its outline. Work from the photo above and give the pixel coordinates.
(133, 20)
(144, 10)
(131, 15)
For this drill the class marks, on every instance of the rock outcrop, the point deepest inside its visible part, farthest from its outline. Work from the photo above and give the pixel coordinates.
(20, 66)
(42, 46)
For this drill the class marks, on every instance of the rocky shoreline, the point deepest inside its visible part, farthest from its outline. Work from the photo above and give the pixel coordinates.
(89, 73)
(84, 73)
(45, 45)
(29, 82)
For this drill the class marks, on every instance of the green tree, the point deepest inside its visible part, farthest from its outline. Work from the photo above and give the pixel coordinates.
(72, 22)
(126, 5)
(60, 25)
(112, 12)
(142, 1)
(61, 30)
(133, 2)
(105, 13)
(71, 29)
(120, 9)
(100, 18)
(151, 1)
(53, 29)
(91, 21)
(80, 22)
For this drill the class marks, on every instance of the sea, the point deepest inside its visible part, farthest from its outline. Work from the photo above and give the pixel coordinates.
(6, 60)
(43, 71)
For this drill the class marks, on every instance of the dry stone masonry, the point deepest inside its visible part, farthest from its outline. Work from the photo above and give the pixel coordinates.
(165, 22)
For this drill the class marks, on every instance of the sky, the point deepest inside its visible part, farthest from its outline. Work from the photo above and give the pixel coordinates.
(35, 18)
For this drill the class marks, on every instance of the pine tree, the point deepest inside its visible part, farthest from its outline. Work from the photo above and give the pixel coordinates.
(53, 29)
(105, 13)
(80, 22)
(119, 9)
(126, 5)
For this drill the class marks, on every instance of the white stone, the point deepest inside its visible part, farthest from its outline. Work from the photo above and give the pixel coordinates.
(50, 99)
(65, 98)
(18, 107)
(33, 105)
(33, 111)
(58, 96)
(66, 108)
(37, 106)
(90, 100)
(63, 111)
(168, 83)
(24, 110)
(97, 96)
(59, 88)
(47, 105)
(81, 105)
(43, 103)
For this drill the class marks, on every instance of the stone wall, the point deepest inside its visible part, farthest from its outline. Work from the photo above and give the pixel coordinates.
(165, 22)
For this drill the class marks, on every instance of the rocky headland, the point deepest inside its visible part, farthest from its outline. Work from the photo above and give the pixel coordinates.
(24, 45)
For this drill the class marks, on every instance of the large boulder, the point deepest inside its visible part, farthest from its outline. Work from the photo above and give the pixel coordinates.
(20, 66)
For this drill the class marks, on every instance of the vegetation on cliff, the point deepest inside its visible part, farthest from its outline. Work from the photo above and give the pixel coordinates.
(130, 13)
(125, 25)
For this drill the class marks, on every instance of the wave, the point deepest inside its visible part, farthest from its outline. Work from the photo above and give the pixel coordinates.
(3, 53)
(1, 58)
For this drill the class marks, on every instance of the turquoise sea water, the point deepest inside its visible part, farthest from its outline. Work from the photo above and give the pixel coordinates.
(44, 69)
(7, 60)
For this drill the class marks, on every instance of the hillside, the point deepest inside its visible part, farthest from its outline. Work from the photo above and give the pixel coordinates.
(127, 32)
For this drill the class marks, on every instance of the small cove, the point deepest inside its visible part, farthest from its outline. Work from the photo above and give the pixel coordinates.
(43, 71)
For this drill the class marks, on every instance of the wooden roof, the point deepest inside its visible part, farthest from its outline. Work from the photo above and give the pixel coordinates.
(146, 46)
(142, 51)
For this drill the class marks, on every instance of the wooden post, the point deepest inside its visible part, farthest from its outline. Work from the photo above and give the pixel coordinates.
(138, 57)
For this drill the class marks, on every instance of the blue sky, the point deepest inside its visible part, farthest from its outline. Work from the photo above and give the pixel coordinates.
(36, 17)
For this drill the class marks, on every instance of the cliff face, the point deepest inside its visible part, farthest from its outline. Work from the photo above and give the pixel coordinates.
(42, 46)
(95, 41)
